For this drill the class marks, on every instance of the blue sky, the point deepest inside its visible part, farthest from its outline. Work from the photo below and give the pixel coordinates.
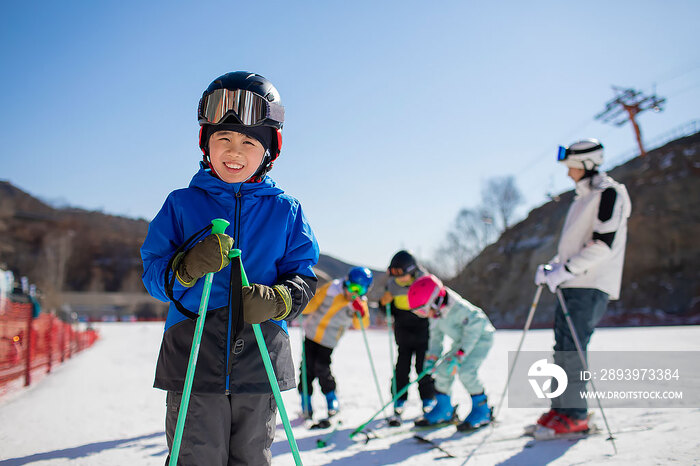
(396, 111)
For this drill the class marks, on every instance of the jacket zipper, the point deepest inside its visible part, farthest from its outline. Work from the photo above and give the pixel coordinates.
(230, 305)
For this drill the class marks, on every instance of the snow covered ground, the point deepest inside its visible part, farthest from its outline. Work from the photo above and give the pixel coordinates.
(99, 409)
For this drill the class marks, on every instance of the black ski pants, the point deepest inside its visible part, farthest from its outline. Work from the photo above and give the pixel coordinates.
(223, 430)
(407, 350)
(318, 366)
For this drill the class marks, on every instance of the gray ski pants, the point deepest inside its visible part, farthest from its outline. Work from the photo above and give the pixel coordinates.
(223, 430)
(586, 307)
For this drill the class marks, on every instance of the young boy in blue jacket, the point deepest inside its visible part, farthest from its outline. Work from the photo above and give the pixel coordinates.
(232, 413)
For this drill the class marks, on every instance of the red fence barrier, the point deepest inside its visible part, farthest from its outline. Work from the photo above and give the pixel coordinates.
(28, 344)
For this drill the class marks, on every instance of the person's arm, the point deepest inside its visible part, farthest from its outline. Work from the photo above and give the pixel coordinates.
(164, 237)
(607, 222)
(296, 267)
(301, 289)
(471, 332)
(360, 307)
(316, 301)
(435, 339)
(296, 282)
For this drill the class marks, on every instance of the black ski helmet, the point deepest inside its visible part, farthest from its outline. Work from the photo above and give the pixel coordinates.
(245, 81)
(403, 260)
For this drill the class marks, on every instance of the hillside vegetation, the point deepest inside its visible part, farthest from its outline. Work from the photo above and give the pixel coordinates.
(661, 278)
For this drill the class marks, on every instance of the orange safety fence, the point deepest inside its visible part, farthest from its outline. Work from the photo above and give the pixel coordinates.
(30, 344)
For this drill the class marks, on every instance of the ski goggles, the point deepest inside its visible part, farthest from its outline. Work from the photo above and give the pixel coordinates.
(250, 108)
(563, 153)
(356, 289)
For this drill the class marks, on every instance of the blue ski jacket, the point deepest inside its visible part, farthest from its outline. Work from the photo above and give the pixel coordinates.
(277, 247)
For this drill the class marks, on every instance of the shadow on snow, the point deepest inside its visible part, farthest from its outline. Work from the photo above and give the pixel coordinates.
(84, 450)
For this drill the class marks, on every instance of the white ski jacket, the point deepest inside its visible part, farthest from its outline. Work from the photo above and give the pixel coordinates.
(593, 239)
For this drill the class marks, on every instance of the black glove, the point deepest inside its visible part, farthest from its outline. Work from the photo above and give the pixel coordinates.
(261, 303)
(209, 255)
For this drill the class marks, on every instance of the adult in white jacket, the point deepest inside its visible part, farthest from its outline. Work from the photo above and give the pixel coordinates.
(587, 269)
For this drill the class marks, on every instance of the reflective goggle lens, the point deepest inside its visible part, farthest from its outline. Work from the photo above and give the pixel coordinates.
(357, 289)
(249, 107)
(396, 272)
(561, 154)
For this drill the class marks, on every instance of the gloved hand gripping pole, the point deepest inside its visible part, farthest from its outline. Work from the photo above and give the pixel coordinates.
(218, 226)
(233, 254)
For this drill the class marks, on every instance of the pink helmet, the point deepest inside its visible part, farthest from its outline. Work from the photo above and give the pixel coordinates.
(423, 294)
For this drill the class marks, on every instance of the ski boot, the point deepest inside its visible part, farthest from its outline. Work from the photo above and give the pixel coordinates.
(479, 416)
(395, 419)
(428, 404)
(333, 405)
(442, 412)
(542, 421)
(306, 411)
(399, 406)
(561, 425)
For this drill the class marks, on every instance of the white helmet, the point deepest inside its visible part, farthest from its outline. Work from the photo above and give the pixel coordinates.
(586, 154)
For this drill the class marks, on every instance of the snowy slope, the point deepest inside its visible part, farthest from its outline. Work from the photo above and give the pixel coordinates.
(99, 409)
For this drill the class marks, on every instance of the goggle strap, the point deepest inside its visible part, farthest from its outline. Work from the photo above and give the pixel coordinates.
(583, 151)
(276, 112)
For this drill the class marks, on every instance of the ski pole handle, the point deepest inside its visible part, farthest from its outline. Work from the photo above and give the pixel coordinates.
(218, 225)
(264, 353)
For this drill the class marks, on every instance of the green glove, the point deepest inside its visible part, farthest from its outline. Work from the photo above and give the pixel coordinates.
(261, 303)
(209, 255)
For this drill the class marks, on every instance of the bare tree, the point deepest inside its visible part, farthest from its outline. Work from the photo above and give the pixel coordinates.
(57, 249)
(501, 196)
(471, 231)
(475, 228)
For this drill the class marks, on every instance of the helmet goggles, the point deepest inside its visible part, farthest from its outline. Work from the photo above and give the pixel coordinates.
(356, 289)
(563, 153)
(248, 107)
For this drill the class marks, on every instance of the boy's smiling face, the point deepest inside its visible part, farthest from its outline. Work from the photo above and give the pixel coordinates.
(235, 157)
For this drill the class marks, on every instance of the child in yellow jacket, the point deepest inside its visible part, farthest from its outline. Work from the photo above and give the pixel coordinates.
(336, 305)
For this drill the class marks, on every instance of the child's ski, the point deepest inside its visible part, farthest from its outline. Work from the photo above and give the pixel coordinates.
(547, 434)
(371, 434)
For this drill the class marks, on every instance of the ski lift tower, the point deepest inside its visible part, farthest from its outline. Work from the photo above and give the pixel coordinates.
(627, 104)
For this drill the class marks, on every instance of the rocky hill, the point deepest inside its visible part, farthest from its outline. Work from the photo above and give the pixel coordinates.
(661, 279)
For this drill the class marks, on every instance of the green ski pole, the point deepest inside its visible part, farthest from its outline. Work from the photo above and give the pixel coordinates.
(304, 383)
(371, 362)
(391, 349)
(218, 226)
(271, 373)
(402, 391)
